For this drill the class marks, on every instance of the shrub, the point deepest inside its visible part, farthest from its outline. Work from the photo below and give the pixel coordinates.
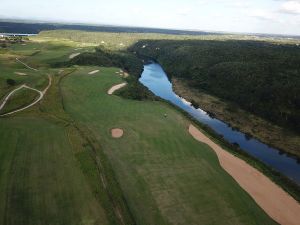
(11, 82)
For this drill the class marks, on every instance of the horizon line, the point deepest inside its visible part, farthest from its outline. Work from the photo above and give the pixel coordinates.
(53, 22)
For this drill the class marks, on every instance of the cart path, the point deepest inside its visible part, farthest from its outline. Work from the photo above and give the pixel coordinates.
(41, 93)
(18, 60)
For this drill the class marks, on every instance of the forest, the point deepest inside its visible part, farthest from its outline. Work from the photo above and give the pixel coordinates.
(262, 78)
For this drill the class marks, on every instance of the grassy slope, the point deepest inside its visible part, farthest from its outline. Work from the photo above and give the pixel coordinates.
(167, 177)
(40, 179)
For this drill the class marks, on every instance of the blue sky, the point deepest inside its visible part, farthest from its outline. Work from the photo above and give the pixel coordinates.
(255, 16)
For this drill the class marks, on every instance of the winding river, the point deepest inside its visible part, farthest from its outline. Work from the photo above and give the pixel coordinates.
(156, 80)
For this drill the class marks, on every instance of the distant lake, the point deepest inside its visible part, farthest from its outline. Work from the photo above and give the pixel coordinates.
(156, 80)
(15, 34)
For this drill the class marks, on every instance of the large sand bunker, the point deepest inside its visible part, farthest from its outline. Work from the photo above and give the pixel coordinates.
(74, 55)
(117, 132)
(116, 87)
(271, 198)
(93, 72)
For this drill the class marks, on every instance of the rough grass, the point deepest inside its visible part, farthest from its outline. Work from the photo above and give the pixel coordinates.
(40, 179)
(19, 99)
(166, 176)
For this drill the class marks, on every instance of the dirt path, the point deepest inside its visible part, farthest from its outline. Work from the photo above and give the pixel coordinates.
(116, 87)
(278, 204)
(25, 65)
(41, 93)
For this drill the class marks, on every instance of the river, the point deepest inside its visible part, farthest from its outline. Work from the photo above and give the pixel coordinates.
(156, 80)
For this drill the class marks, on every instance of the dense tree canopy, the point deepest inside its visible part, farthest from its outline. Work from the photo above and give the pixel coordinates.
(260, 77)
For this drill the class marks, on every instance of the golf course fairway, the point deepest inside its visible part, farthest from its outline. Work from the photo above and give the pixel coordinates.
(87, 154)
(166, 176)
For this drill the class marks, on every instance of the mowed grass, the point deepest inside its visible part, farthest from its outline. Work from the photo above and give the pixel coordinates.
(37, 55)
(167, 177)
(9, 68)
(20, 99)
(40, 179)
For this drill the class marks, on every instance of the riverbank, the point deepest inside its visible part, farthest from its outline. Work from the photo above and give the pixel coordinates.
(246, 122)
(258, 154)
(281, 180)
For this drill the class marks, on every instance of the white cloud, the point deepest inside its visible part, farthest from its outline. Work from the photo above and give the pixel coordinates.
(290, 7)
(184, 11)
(262, 14)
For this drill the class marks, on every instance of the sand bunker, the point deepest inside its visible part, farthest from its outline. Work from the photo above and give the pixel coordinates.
(116, 87)
(125, 75)
(271, 198)
(93, 72)
(21, 74)
(117, 132)
(74, 55)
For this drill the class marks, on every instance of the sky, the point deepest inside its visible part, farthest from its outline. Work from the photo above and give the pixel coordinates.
(251, 16)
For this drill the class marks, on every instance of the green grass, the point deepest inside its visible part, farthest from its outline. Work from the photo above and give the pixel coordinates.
(19, 99)
(62, 183)
(40, 179)
(37, 55)
(9, 67)
(167, 177)
(54, 155)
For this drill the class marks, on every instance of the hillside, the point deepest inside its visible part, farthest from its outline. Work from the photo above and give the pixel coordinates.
(259, 77)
